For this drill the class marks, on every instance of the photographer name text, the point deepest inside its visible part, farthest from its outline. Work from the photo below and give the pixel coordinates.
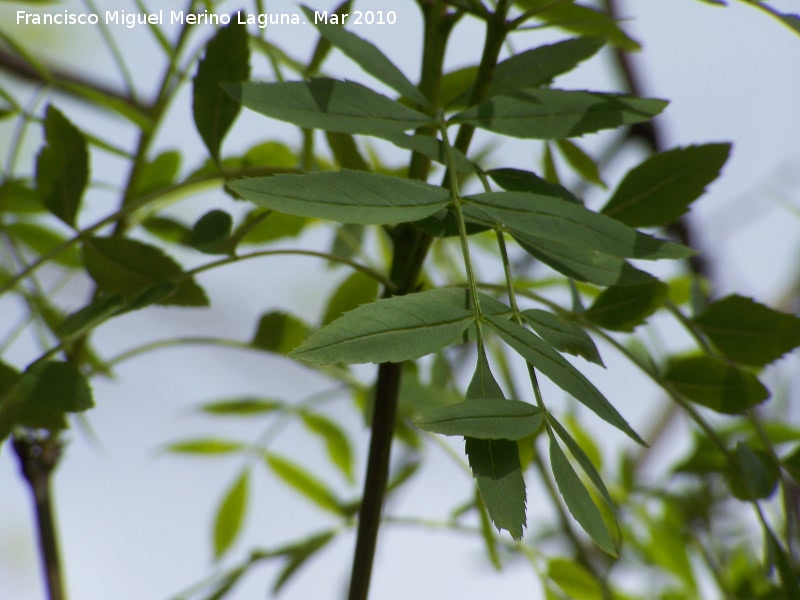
(181, 17)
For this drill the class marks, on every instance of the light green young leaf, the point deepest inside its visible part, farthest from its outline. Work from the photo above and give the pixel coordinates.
(552, 219)
(556, 368)
(391, 329)
(583, 164)
(495, 466)
(358, 289)
(578, 500)
(242, 407)
(715, 384)
(660, 190)
(574, 580)
(484, 418)
(298, 555)
(227, 60)
(582, 263)
(158, 173)
(623, 308)
(345, 196)
(331, 105)
(279, 332)
(548, 114)
(749, 332)
(563, 335)
(62, 167)
(230, 515)
(305, 483)
(336, 442)
(205, 446)
(128, 267)
(366, 55)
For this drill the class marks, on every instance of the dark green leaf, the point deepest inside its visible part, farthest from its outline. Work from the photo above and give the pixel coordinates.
(483, 384)
(556, 368)
(242, 407)
(581, 162)
(563, 335)
(791, 463)
(553, 114)
(456, 85)
(485, 418)
(279, 332)
(753, 474)
(62, 167)
(622, 308)
(433, 148)
(391, 329)
(205, 446)
(749, 332)
(227, 60)
(158, 173)
(552, 219)
(345, 151)
(581, 263)
(56, 386)
(331, 105)
(345, 196)
(495, 466)
(42, 240)
(574, 580)
(368, 57)
(660, 190)
(211, 234)
(578, 500)
(359, 288)
(715, 384)
(516, 180)
(537, 67)
(99, 310)
(336, 441)
(230, 515)
(123, 266)
(778, 557)
(306, 484)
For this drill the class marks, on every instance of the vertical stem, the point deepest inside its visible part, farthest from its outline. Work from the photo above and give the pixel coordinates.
(38, 458)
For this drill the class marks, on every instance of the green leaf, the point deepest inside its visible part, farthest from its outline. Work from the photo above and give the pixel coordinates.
(241, 407)
(749, 332)
(483, 384)
(336, 442)
(778, 557)
(368, 57)
(123, 266)
(578, 500)
(581, 263)
(62, 167)
(495, 466)
(345, 196)
(56, 386)
(42, 240)
(552, 219)
(227, 60)
(17, 196)
(581, 162)
(486, 531)
(753, 474)
(433, 148)
(211, 234)
(556, 368)
(345, 151)
(581, 19)
(265, 226)
(167, 229)
(359, 288)
(715, 384)
(230, 515)
(563, 335)
(279, 332)
(660, 190)
(538, 67)
(206, 446)
(391, 329)
(623, 308)
(547, 114)
(574, 580)
(331, 105)
(306, 484)
(158, 173)
(485, 418)
(517, 180)
(791, 462)
(299, 554)
(98, 311)
(270, 154)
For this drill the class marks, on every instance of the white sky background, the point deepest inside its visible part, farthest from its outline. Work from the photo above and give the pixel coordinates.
(135, 525)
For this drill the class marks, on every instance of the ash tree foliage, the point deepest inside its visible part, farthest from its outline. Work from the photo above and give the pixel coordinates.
(563, 277)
